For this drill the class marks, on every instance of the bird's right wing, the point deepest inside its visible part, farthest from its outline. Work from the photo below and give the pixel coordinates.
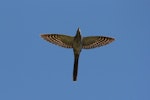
(57, 39)
(95, 41)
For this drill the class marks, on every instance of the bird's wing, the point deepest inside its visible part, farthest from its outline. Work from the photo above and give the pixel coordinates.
(57, 39)
(95, 41)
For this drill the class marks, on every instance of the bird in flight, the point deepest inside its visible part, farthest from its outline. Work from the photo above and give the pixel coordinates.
(77, 43)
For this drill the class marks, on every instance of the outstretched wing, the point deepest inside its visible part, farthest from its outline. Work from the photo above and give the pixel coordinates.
(57, 39)
(95, 41)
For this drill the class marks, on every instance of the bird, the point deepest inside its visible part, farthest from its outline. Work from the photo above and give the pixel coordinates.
(77, 43)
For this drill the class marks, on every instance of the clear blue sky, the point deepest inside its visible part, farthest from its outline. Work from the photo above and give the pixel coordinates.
(33, 69)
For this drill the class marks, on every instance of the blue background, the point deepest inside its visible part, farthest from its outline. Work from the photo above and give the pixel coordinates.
(33, 69)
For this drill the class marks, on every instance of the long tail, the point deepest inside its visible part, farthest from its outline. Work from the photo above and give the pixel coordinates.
(75, 70)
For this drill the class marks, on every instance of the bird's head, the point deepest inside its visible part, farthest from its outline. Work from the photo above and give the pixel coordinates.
(78, 33)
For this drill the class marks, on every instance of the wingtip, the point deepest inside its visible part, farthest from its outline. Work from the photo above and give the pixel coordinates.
(113, 39)
(42, 35)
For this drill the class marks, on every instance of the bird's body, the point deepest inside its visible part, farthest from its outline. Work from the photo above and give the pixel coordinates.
(77, 43)
(77, 47)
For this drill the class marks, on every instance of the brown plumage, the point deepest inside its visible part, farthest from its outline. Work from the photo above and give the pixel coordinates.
(77, 43)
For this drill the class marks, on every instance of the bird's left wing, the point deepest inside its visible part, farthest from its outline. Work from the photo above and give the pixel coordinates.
(95, 41)
(57, 39)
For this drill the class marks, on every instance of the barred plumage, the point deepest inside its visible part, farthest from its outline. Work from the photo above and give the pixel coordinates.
(77, 43)
(95, 41)
(57, 39)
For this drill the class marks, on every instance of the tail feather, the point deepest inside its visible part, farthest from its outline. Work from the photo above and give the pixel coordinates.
(75, 70)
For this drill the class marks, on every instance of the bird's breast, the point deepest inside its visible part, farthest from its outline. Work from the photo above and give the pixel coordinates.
(77, 46)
